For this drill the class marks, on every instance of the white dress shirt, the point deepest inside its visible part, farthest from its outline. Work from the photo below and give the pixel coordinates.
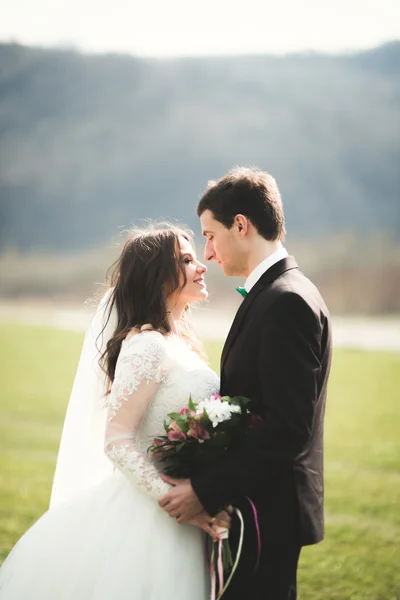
(264, 266)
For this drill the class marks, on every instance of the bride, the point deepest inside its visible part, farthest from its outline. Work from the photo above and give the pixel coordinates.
(104, 535)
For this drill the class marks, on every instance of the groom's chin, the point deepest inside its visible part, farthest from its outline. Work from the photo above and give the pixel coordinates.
(228, 271)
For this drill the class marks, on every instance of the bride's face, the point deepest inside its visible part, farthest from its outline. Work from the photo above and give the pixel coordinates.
(195, 288)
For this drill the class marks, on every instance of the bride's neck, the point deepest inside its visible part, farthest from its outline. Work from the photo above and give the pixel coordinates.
(175, 314)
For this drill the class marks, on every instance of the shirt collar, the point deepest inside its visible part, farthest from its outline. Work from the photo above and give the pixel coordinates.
(266, 264)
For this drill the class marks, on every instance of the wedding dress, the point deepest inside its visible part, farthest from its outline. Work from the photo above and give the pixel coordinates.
(112, 541)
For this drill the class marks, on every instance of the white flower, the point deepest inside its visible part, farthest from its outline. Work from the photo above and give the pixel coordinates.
(217, 411)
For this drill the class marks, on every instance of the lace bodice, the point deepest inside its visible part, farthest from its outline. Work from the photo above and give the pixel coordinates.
(154, 376)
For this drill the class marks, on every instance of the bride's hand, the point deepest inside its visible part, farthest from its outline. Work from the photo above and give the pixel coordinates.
(209, 524)
(223, 519)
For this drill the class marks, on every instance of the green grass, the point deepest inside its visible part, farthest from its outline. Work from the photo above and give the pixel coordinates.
(360, 557)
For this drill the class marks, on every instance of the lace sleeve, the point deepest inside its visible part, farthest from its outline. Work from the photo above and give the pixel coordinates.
(138, 375)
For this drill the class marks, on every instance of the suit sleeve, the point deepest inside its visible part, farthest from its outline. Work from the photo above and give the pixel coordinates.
(288, 369)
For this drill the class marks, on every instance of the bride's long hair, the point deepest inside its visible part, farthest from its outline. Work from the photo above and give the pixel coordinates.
(146, 273)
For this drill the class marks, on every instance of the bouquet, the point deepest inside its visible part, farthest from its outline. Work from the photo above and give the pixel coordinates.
(196, 437)
(201, 433)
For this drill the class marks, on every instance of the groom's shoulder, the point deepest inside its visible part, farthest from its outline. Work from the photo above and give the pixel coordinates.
(293, 283)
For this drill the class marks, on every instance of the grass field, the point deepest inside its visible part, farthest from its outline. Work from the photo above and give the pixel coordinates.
(360, 557)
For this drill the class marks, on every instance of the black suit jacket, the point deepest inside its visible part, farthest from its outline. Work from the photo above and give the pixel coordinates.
(278, 352)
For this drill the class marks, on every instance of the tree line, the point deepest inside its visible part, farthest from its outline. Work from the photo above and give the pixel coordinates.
(91, 144)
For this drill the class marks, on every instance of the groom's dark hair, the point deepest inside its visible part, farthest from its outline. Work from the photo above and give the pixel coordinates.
(249, 192)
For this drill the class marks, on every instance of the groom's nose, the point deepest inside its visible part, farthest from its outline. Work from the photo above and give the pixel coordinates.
(208, 251)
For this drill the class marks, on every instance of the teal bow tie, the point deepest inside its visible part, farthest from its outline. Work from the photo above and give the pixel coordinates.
(242, 291)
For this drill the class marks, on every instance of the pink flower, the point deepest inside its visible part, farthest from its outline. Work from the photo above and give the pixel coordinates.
(176, 435)
(174, 426)
(198, 433)
(184, 411)
(216, 396)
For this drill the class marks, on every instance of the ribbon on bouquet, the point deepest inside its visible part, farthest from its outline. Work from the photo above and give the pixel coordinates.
(224, 536)
(257, 531)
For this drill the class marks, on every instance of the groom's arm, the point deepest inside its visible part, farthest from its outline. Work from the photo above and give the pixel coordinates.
(288, 370)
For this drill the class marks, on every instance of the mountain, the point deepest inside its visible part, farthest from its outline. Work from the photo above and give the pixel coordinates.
(90, 144)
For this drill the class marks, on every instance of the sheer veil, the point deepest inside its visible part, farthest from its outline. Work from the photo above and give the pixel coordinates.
(81, 462)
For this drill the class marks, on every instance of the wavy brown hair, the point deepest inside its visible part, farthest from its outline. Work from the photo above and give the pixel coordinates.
(148, 270)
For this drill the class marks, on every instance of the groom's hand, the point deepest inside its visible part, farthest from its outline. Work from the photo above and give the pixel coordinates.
(181, 502)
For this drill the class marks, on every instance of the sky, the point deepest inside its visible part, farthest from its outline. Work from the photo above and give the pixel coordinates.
(165, 28)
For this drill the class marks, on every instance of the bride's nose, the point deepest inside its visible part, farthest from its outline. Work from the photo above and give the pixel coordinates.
(201, 268)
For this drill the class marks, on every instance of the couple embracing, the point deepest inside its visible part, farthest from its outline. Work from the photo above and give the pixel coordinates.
(117, 528)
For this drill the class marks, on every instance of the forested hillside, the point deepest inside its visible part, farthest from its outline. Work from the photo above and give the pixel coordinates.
(90, 144)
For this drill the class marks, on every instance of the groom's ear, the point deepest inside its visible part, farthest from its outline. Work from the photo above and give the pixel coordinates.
(241, 223)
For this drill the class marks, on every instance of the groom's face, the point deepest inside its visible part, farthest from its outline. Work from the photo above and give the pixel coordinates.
(222, 244)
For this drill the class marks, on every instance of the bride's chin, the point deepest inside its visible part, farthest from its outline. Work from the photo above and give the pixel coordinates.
(202, 295)
(199, 297)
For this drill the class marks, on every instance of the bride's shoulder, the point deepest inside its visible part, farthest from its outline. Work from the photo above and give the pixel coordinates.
(144, 329)
(143, 351)
(139, 339)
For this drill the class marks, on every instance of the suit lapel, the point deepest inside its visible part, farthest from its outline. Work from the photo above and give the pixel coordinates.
(286, 264)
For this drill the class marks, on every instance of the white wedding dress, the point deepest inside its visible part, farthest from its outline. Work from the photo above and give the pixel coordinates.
(112, 541)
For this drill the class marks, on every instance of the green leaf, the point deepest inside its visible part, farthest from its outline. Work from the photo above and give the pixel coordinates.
(206, 419)
(191, 404)
(242, 401)
(175, 416)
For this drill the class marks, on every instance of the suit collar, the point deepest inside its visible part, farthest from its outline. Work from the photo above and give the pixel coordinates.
(286, 264)
(280, 267)
(264, 265)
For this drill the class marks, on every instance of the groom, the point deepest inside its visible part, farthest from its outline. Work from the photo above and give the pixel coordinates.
(278, 353)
